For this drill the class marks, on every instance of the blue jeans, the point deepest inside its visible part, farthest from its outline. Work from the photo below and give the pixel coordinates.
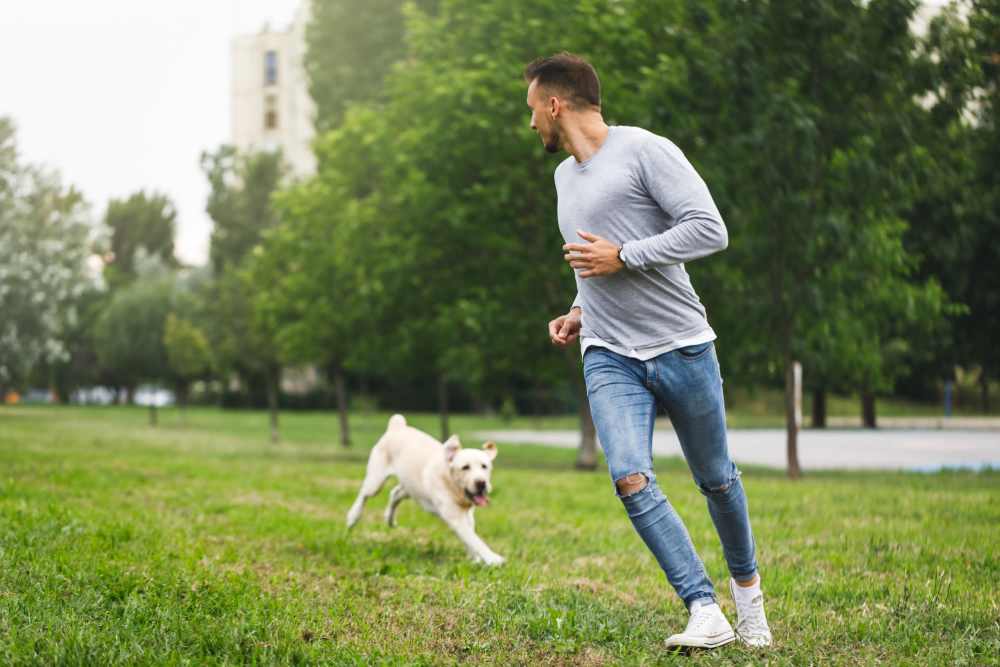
(623, 394)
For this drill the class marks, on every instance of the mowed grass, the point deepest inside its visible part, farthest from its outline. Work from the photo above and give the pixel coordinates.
(202, 543)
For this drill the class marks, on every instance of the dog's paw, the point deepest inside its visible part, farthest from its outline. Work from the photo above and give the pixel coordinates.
(493, 560)
(352, 518)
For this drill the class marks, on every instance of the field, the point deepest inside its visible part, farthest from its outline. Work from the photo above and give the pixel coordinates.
(198, 542)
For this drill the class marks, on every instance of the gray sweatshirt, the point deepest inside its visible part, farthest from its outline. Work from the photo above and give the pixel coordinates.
(640, 190)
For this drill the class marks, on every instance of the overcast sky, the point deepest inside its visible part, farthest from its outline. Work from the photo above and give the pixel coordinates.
(121, 95)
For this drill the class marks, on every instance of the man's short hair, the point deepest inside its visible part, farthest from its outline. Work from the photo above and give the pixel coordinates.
(568, 75)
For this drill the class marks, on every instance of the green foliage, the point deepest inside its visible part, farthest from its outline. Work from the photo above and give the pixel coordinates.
(239, 202)
(188, 352)
(811, 154)
(957, 215)
(352, 44)
(809, 151)
(45, 242)
(141, 226)
(129, 333)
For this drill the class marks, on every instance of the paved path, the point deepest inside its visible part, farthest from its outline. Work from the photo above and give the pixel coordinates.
(882, 449)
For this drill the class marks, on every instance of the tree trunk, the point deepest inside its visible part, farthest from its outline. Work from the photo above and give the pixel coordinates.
(793, 415)
(586, 454)
(867, 408)
(340, 388)
(443, 406)
(130, 395)
(984, 391)
(819, 408)
(182, 389)
(152, 412)
(273, 383)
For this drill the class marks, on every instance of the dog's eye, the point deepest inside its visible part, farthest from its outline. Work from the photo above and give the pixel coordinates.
(465, 467)
(484, 466)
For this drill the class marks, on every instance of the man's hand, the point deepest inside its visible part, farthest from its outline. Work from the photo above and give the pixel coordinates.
(598, 257)
(566, 328)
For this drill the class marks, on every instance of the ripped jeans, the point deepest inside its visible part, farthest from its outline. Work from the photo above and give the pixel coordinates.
(623, 394)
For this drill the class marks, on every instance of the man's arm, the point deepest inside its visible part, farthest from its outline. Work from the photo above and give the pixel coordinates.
(674, 184)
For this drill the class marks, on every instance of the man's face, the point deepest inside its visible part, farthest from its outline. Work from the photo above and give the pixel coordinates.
(544, 114)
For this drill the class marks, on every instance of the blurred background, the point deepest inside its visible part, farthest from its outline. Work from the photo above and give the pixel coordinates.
(340, 205)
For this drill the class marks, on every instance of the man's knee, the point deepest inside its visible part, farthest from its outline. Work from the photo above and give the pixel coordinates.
(631, 484)
(721, 486)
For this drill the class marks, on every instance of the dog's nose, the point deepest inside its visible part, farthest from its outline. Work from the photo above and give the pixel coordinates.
(480, 486)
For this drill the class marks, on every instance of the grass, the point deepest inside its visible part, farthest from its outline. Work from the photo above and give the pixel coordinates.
(203, 544)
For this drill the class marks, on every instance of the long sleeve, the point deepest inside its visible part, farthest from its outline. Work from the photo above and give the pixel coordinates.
(698, 229)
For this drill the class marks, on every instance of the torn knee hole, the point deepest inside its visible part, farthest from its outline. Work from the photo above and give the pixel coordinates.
(716, 489)
(631, 484)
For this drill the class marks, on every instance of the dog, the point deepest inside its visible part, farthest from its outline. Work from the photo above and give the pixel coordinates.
(445, 479)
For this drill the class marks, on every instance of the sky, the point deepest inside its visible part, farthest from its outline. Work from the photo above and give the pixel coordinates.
(123, 95)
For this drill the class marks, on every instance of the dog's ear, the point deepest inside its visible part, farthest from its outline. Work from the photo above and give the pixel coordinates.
(451, 447)
(491, 449)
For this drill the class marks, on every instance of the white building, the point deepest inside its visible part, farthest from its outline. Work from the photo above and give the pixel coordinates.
(270, 103)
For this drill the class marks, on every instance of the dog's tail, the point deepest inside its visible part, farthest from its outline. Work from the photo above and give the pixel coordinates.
(396, 421)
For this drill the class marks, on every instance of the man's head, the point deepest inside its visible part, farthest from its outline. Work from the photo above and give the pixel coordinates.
(560, 89)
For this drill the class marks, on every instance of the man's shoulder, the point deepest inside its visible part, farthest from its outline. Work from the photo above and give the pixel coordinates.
(563, 168)
(641, 139)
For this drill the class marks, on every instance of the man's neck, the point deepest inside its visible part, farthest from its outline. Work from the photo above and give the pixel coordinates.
(586, 137)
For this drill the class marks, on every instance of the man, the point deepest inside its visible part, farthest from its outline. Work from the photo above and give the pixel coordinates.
(632, 210)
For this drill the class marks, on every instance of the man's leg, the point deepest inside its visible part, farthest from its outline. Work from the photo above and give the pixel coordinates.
(690, 387)
(623, 409)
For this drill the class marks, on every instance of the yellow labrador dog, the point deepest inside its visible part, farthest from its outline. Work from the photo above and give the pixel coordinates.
(445, 480)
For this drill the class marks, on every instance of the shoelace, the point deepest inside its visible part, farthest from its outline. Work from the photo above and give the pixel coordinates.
(699, 619)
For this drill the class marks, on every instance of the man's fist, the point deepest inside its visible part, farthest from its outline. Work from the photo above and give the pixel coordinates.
(597, 257)
(565, 329)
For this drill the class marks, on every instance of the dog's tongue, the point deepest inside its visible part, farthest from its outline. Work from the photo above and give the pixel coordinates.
(481, 501)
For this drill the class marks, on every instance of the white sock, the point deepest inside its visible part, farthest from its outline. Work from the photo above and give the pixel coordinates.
(748, 593)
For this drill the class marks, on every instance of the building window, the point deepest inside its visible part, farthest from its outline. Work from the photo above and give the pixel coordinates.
(271, 68)
(271, 113)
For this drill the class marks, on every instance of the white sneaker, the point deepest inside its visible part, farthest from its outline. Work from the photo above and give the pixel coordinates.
(751, 623)
(707, 628)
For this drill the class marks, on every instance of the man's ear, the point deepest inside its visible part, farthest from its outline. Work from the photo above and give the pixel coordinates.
(491, 449)
(555, 106)
(451, 447)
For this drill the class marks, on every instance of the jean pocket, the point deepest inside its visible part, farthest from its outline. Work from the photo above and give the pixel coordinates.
(694, 352)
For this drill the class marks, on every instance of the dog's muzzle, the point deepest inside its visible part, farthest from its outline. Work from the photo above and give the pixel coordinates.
(478, 497)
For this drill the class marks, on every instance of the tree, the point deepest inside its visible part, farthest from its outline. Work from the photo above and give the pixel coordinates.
(240, 205)
(811, 156)
(188, 354)
(143, 224)
(239, 202)
(473, 267)
(957, 215)
(129, 334)
(45, 242)
(351, 46)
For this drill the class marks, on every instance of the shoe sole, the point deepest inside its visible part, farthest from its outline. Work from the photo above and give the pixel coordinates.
(721, 640)
(748, 644)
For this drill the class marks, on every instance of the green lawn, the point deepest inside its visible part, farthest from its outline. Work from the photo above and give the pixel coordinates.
(204, 544)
